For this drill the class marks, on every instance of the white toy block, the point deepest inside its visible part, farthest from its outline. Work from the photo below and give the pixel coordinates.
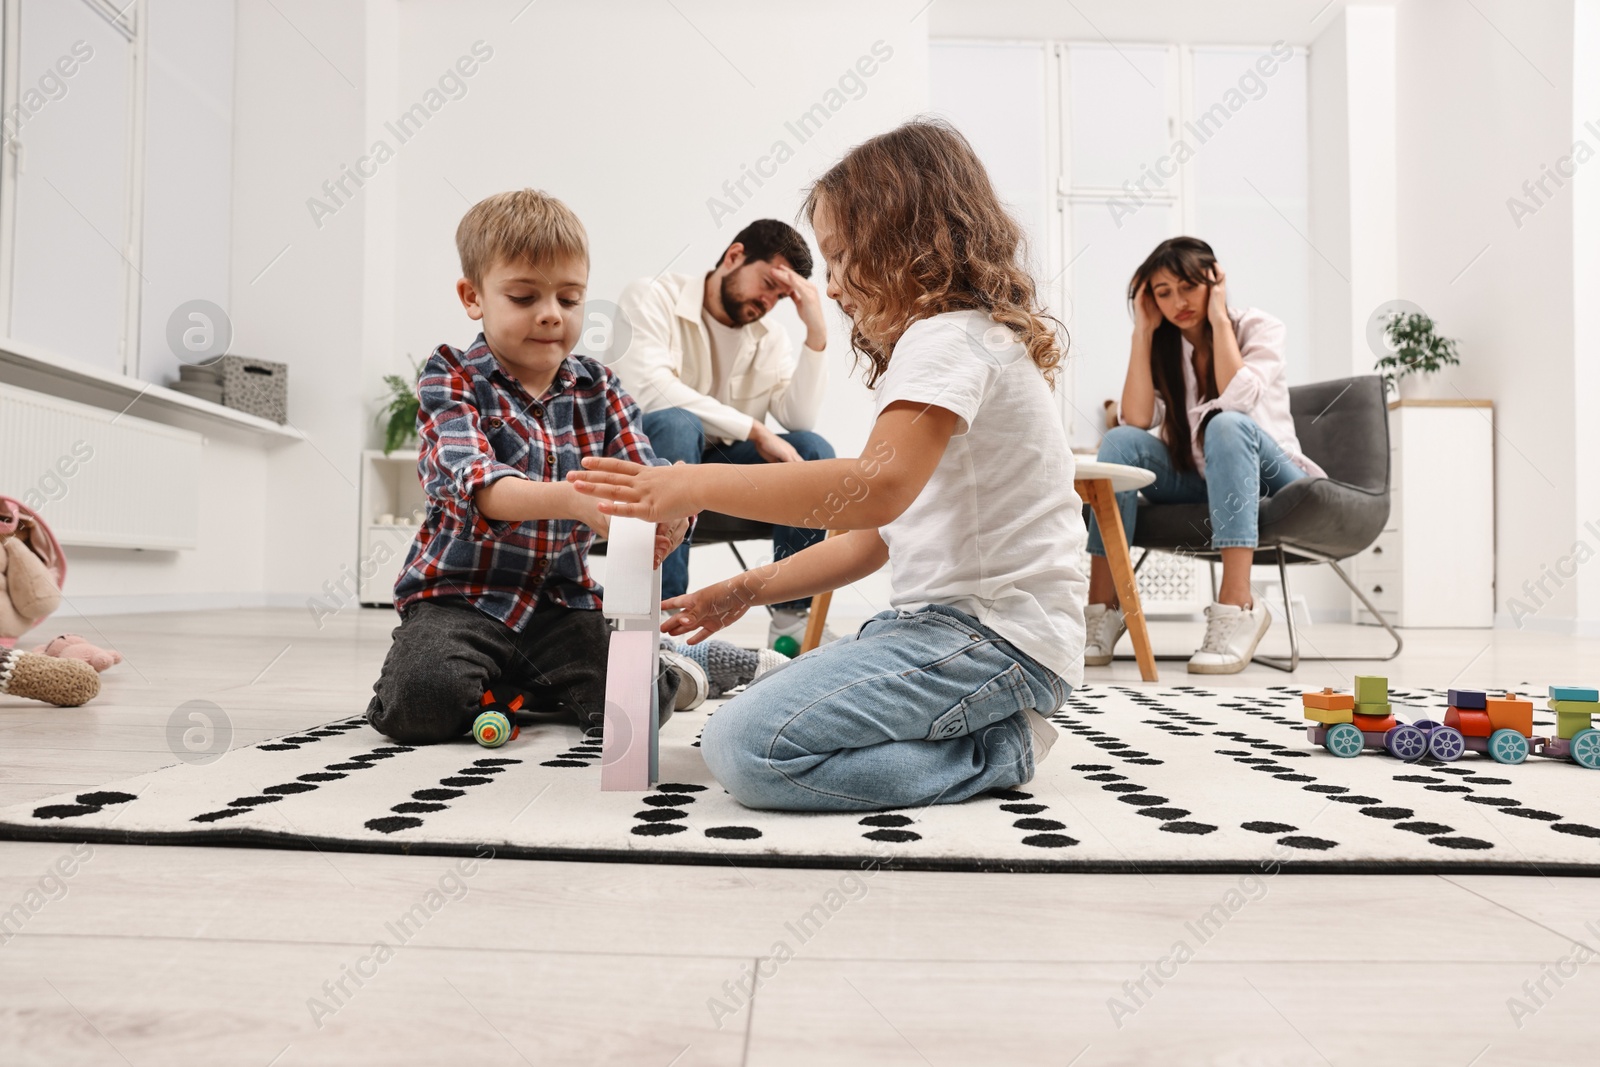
(629, 754)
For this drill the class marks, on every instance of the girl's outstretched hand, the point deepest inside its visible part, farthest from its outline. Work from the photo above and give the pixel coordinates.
(634, 491)
(704, 610)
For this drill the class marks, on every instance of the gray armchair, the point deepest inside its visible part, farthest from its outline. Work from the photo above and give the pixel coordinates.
(1344, 426)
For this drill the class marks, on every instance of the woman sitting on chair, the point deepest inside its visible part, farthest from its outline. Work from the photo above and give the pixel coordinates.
(1206, 408)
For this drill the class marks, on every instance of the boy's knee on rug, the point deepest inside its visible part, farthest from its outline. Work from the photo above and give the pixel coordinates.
(422, 705)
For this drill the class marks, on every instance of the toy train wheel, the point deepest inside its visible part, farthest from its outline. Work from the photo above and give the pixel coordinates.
(1586, 748)
(1446, 744)
(491, 729)
(1406, 742)
(1508, 746)
(1344, 740)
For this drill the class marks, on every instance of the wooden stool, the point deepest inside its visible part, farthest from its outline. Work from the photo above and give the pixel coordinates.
(1098, 483)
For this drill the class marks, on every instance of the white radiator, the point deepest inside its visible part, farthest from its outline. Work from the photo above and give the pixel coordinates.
(98, 478)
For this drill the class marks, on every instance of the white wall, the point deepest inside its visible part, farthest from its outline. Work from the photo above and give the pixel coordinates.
(1586, 333)
(1223, 22)
(1485, 99)
(298, 289)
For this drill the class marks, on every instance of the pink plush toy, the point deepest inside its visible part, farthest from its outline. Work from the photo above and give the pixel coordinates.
(74, 646)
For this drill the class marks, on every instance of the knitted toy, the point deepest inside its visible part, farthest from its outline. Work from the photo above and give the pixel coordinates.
(66, 683)
(75, 646)
(32, 569)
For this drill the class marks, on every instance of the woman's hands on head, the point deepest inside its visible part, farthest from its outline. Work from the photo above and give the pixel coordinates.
(1146, 313)
(1217, 301)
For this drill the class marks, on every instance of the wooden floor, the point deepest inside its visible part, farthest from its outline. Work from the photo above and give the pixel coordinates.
(163, 956)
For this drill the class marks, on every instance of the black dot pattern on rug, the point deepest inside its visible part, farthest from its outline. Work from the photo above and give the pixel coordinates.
(305, 783)
(660, 815)
(667, 810)
(432, 799)
(87, 804)
(1208, 740)
(1388, 813)
(894, 837)
(295, 742)
(1460, 842)
(733, 833)
(1316, 844)
(890, 827)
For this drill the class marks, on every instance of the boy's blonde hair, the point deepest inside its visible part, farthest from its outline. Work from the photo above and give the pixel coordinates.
(523, 224)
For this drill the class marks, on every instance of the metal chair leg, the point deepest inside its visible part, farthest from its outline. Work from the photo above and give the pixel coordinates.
(1293, 662)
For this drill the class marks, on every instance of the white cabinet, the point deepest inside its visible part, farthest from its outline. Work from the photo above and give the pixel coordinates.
(392, 506)
(1433, 565)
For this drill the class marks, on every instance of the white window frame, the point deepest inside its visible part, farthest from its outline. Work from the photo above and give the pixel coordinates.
(128, 20)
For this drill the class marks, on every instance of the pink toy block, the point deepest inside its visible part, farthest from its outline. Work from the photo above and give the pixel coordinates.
(629, 751)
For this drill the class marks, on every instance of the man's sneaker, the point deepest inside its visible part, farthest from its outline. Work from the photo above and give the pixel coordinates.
(791, 622)
(692, 684)
(1103, 627)
(1232, 634)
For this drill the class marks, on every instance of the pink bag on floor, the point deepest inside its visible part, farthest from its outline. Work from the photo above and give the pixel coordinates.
(32, 570)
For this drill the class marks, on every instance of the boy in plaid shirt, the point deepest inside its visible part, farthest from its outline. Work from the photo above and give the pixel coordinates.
(496, 590)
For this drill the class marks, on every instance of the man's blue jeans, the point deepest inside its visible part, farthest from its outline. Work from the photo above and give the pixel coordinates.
(1243, 464)
(676, 435)
(917, 708)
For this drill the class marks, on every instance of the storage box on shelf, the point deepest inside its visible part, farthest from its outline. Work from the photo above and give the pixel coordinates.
(1433, 565)
(390, 489)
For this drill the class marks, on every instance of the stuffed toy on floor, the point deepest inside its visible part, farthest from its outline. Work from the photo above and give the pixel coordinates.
(66, 683)
(75, 646)
(64, 671)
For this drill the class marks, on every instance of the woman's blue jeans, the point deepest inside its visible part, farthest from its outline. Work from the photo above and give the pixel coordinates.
(1243, 464)
(916, 708)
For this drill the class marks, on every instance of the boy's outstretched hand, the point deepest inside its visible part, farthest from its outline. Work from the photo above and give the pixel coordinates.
(634, 491)
(704, 610)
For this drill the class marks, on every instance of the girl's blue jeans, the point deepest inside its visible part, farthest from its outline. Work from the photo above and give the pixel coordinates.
(1243, 464)
(916, 708)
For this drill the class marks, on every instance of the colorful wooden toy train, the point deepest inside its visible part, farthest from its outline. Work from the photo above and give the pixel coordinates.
(1501, 727)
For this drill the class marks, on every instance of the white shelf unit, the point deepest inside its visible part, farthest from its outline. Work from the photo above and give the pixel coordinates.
(1433, 565)
(389, 486)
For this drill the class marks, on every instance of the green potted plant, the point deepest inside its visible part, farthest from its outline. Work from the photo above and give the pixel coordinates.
(1417, 353)
(403, 403)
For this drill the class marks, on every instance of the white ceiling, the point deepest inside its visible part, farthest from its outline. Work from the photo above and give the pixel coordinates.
(1297, 22)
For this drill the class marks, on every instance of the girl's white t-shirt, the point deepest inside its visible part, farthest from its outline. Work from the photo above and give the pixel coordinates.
(998, 530)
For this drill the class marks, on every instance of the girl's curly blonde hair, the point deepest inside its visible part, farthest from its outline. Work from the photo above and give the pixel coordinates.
(924, 233)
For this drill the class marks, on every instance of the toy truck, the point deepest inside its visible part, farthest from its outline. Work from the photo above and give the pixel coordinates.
(1501, 727)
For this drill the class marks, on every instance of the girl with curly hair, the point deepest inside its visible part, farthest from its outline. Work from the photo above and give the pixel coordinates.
(965, 489)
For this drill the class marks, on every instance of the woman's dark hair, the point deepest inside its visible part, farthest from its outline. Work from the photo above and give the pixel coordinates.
(1191, 260)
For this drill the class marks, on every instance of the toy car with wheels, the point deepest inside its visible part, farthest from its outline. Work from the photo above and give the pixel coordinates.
(1498, 727)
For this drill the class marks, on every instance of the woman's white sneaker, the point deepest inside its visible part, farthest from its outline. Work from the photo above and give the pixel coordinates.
(1232, 634)
(1103, 627)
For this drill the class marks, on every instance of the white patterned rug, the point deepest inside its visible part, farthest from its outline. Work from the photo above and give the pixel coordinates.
(1143, 779)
